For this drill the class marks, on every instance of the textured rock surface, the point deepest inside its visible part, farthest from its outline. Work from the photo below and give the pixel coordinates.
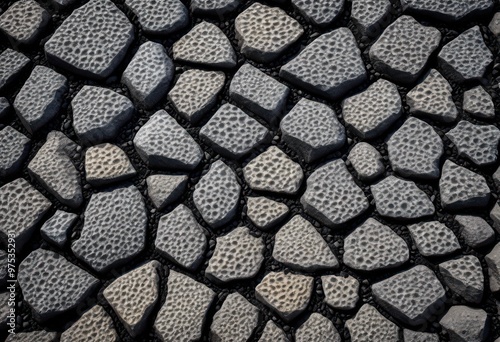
(369, 16)
(219, 8)
(14, 149)
(417, 336)
(447, 11)
(465, 277)
(465, 324)
(107, 163)
(264, 212)
(165, 189)
(320, 12)
(39, 336)
(23, 22)
(160, 16)
(341, 292)
(366, 161)
(272, 333)
(478, 103)
(369, 325)
(475, 230)
(56, 229)
(433, 238)
(493, 261)
(12, 63)
(96, 323)
(317, 328)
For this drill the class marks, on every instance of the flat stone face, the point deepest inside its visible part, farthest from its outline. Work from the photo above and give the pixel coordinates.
(164, 144)
(261, 94)
(109, 215)
(465, 277)
(99, 114)
(418, 336)
(475, 230)
(207, 45)
(433, 238)
(165, 189)
(23, 22)
(330, 66)
(411, 296)
(366, 161)
(317, 328)
(447, 11)
(340, 292)
(478, 103)
(264, 212)
(214, 7)
(160, 16)
(92, 41)
(493, 261)
(374, 246)
(286, 293)
(12, 63)
(52, 285)
(312, 130)
(182, 316)
(332, 196)
(272, 333)
(56, 229)
(40, 98)
(95, 322)
(231, 132)
(107, 163)
(14, 149)
(264, 33)
(320, 12)
(195, 93)
(465, 324)
(372, 112)
(369, 15)
(369, 325)
(494, 25)
(149, 73)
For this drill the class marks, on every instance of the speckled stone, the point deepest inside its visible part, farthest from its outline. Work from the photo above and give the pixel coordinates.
(366, 161)
(14, 149)
(56, 229)
(12, 63)
(219, 8)
(369, 16)
(448, 11)
(165, 189)
(478, 103)
(493, 261)
(320, 12)
(272, 333)
(265, 213)
(465, 277)
(317, 328)
(369, 325)
(24, 22)
(494, 25)
(341, 293)
(38, 336)
(96, 323)
(160, 17)
(107, 163)
(475, 231)
(464, 323)
(433, 238)
(418, 336)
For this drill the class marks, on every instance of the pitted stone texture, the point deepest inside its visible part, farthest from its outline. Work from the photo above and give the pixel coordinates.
(207, 45)
(372, 112)
(92, 41)
(312, 130)
(330, 66)
(12, 63)
(21, 208)
(160, 16)
(38, 336)
(53, 168)
(366, 161)
(52, 285)
(40, 98)
(165, 189)
(475, 231)
(466, 57)
(164, 144)
(411, 296)
(369, 16)
(96, 323)
(237, 256)
(134, 295)
(462, 189)
(478, 143)
(433, 238)
(180, 238)
(149, 73)
(56, 229)
(217, 194)
(478, 103)
(317, 328)
(235, 321)
(401, 199)
(332, 196)
(261, 94)
(195, 93)
(182, 316)
(493, 262)
(374, 246)
(415, 150)
(432, 99)
(447, 11)
(273, 171)
(107, 163)
(340, 292)
(3, 268)
(418, 336)
(272, 333)
(109, 215)
(14, 149)
(465, 277)
(286, 293)
(264, 33)
(264, 212)
(369, 325)
(23, 22)
(300, 246)
(218, 8)
(232, 133)
(99, 114)
(466, 324)
(403, 49)
(320, 12)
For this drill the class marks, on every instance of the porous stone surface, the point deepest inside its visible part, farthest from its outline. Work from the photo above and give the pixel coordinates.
(369, 16)
(493, 261)
(92, 41)
(369, 325)
(312, 130)
(272, 333)
(3, 266)
(447, 11)
(39, 336)
(418, 336)
(12, 63)
(341, 293)
(164, 144)
(371, 112)
(464, 323)
(96, 323)
(475, 230)
(107, 163)
(163, 190)
(433, 238)
(160, 17)
(464, 276)
(300, 246)
(108, 215)
(332, 196)
(14, 149)
(330, 66)
(264, 212)
(478, 103)
(366, 161)
(320, 12)
(317, 328)
(23, 22)
(218, 8)
(56, 229)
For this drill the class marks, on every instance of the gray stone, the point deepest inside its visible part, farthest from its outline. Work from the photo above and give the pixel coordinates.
(320, 12)
(332, 196)
(369, 16)
(448, 11)
(366, 161)
(12, 63)
(4, 105)
(341, 293)
(92, 41)
(56, 229)
(265, 213)
(107, 163)
(418, 336)
(494, 25)
(317, 328)
(272, 333)
(465, 324)
(14, 149)
(165, 189)
(495, 216)
(5, 309)
(96, 323)
(369, 325)
(464, 276)
(3, 267)
(219, 8)
(433, 238)
(493, 261)
(160, 17)
(24, 22)
(475, 231)
(330, 66)
(38, 336)
(478, 103)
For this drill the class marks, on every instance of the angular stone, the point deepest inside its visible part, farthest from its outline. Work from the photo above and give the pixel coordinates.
(23, 22)
(466, 324)
(56, 229)
(493, 261)
(341, 293)
(14, 149)
(99, 114)
(107, 163)
(418, 336)
(317, 328)
(369, 16)
(332, 196)
(273, 171)
(372, 112)
(433, 238)
(478, 103)
(494, 25)
(149, 73)
(38, 336)
(312, 130)
(12, 63)
(165, 189)
(52, 285)
(264, 212)
(319, 12)
(164, 144)
(495, 216)
(330, 66)
(369, 325)
(96, 323)
(259, 93)
(232, 133)
(448, 11)
(92, 41)
(465, 277)
(160, 17)
(366, 161)
(475, 231)
(219, 8)
(108, 215)
(217, 194)
(272, 333)
(207, 45)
